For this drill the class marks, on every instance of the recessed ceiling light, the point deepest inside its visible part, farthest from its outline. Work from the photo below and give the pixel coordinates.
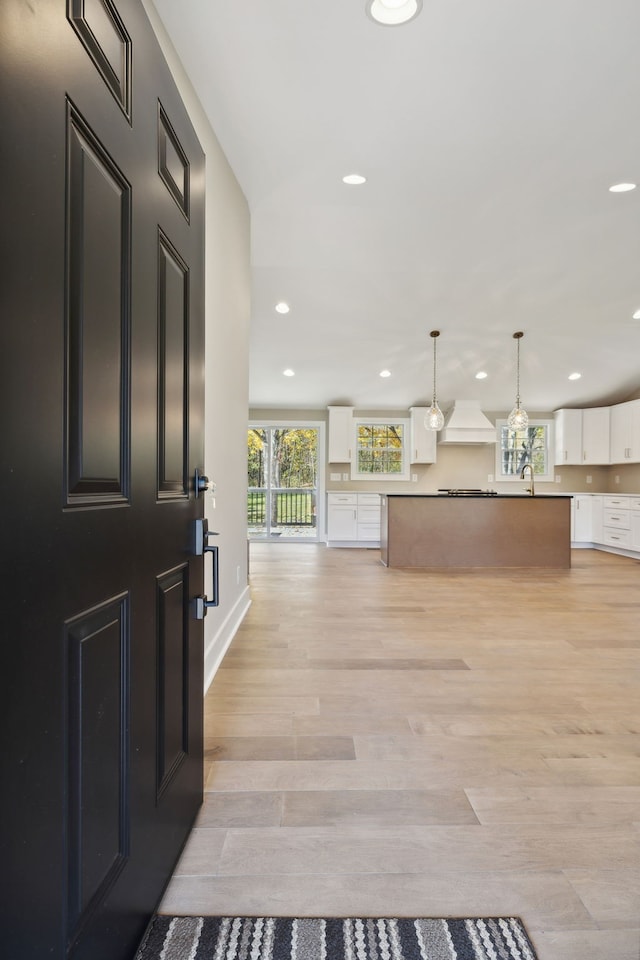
(481, 375)
(288, 372)
(622, 187)
(385, 373)
(636, 315)
(391, 13)
(574, 376)
(282, 307)
(354, 179)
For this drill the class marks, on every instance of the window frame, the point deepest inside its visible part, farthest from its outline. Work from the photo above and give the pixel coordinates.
(302, 424)
(548, 475)
(405, 423)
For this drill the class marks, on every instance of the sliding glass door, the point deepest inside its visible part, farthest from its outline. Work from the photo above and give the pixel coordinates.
(282, 497)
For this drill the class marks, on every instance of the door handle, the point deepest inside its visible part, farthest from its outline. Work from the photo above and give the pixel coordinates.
(201, 547)
(203, 603)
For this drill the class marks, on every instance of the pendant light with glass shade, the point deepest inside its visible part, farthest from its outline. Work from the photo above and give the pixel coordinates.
(434, 417)
(518, 419)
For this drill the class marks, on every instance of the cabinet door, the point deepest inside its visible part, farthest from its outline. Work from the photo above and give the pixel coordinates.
(635, 528)
(597, 521)
(568, 433)
(620, 444)
(581, 532)
(595, 435)
(634, 442)
(342, 522)
(423, 441)
(625, 432)
(340, 434)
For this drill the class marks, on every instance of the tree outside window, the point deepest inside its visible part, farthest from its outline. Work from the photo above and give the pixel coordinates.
(282, 472)
(380, 450)
(514, 448)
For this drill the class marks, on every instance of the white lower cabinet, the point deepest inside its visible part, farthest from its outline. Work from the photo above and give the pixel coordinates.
(581, 525)
(606, 520)
(635, 524)
(342, 516)
(353, 518)
(616, 521)
(368, 516)
(597, 514)
(617, 537)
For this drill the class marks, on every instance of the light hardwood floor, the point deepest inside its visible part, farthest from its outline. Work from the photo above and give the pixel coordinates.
(403, 742)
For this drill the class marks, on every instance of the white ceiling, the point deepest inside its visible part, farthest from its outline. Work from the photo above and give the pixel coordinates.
(490, 132)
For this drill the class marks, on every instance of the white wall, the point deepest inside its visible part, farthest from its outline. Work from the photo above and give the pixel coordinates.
(227, 307)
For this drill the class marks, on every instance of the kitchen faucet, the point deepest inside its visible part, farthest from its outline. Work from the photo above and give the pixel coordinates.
(531, 489)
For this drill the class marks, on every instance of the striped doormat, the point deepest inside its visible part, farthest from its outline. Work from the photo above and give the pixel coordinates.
(287, 938)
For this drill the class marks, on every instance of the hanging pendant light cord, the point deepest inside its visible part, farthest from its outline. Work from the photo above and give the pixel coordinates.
(434, 371)
(518, 419)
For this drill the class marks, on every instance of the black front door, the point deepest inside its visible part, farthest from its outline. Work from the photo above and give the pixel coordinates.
(102, 386)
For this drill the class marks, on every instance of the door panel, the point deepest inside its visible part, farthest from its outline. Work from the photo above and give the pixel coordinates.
(107, 42)
(173, 675)
(173, 342)
(173, 163)
(101, 350)
(98, 645)
(98, 273)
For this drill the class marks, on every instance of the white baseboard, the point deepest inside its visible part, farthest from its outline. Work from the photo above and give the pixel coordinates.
(216, 648)
(606, 548)
(620, 551)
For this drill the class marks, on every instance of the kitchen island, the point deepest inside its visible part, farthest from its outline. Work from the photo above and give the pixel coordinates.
(502, 530)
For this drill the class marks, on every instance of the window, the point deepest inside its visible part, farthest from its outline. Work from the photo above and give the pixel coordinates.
(284, 475)
(380, 450)
(514, 448)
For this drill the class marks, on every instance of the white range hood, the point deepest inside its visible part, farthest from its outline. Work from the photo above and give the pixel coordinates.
(466, 423)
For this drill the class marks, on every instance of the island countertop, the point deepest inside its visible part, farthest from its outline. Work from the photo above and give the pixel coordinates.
(485, 496)
(475, 530)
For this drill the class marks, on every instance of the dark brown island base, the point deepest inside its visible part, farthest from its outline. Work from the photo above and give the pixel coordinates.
(475, 531)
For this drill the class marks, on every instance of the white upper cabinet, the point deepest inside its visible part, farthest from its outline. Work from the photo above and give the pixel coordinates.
(620, 432)
(582, 436)
(340, 434)
(595, 435)
(625, 432)
(423, 441)
(568, 432)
